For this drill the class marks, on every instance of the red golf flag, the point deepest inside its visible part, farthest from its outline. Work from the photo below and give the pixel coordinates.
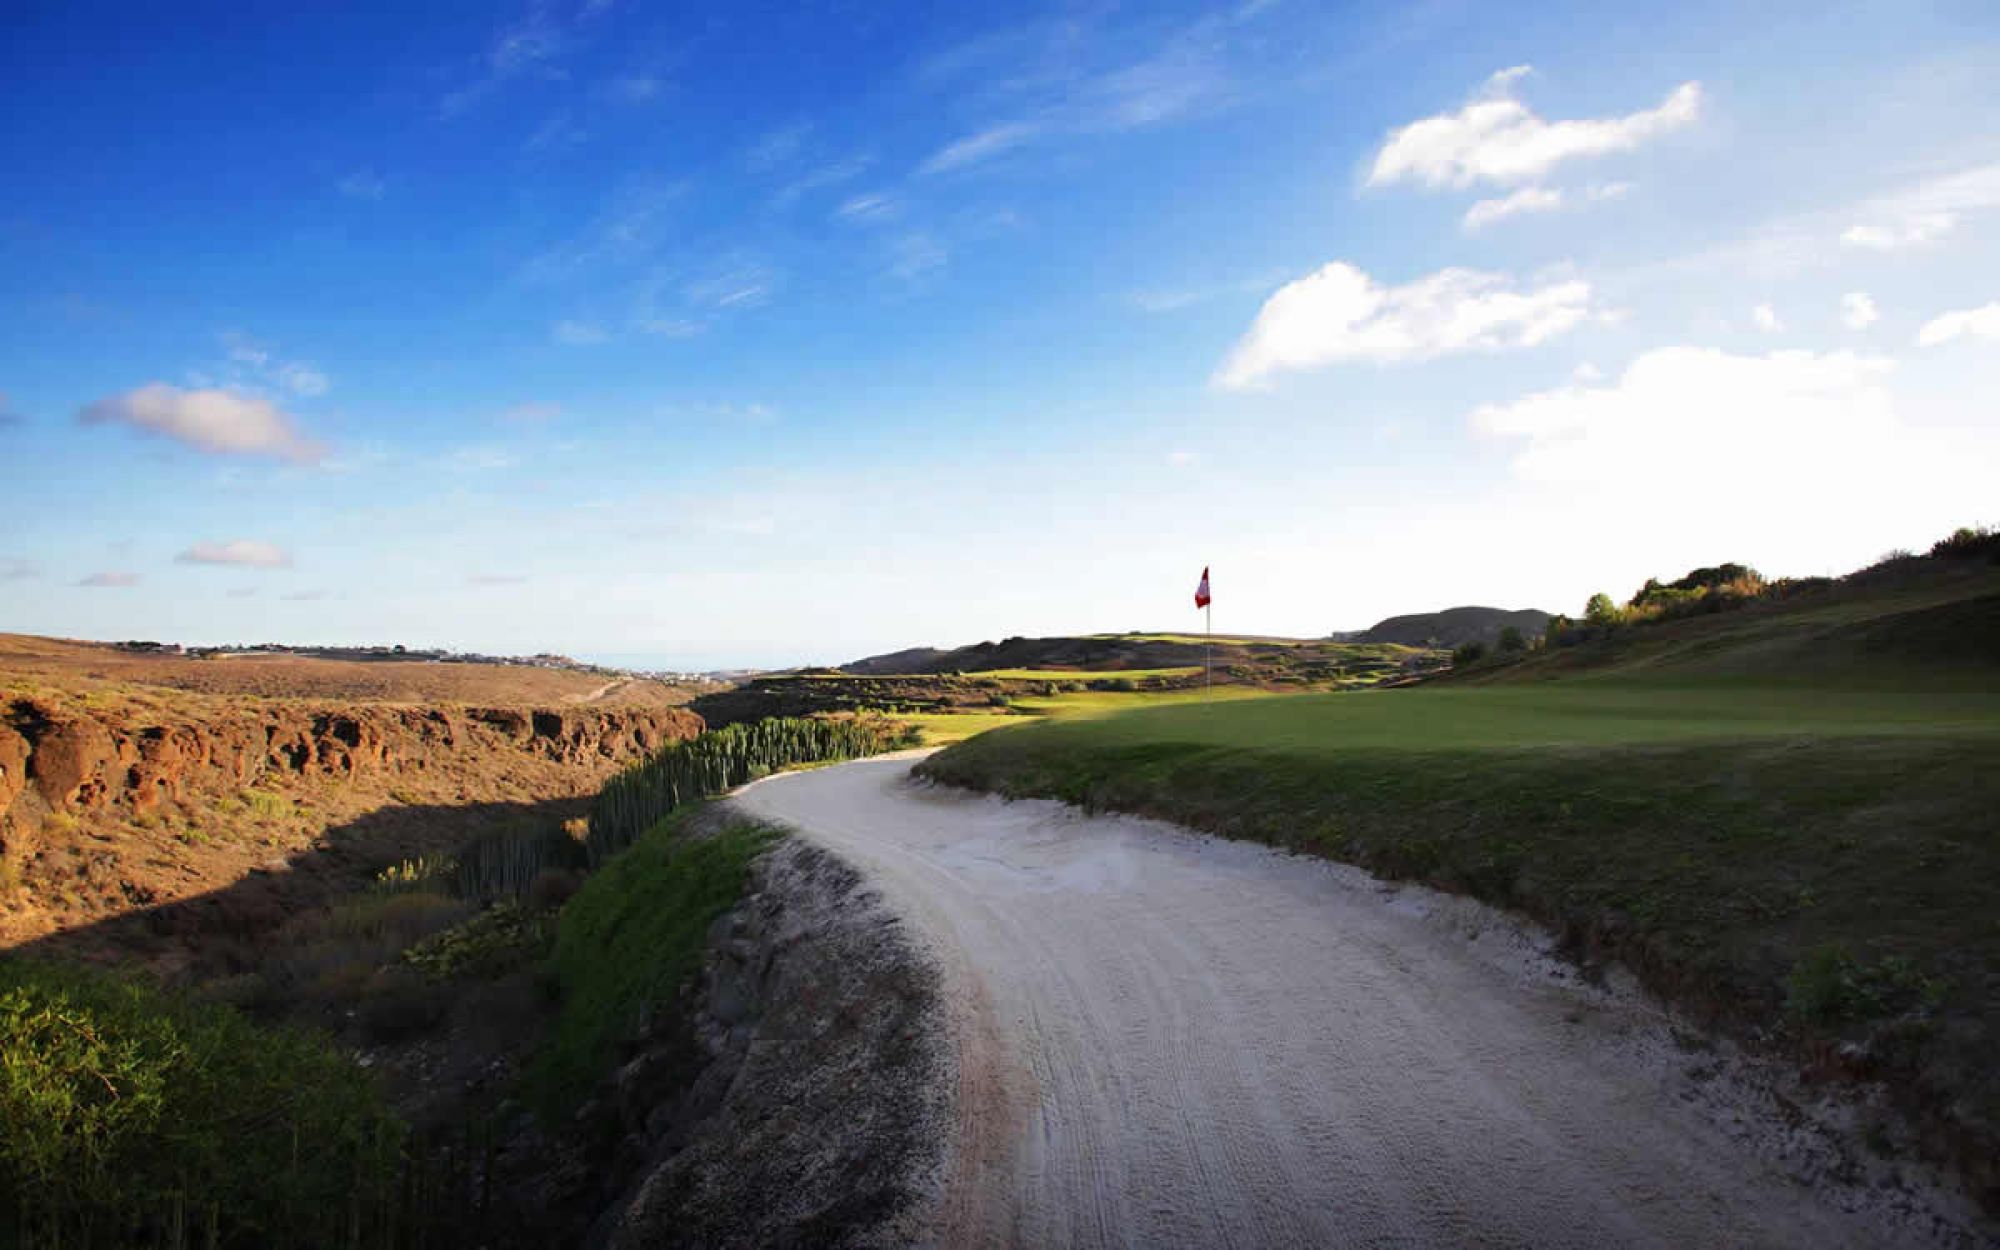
(1201, 591)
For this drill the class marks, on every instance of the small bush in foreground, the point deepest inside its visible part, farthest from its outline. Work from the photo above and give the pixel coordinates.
(129, 1116)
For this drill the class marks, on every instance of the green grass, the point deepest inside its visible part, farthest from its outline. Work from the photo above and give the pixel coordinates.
(1823, 860)
(944, 728)
(1072, 674)
(129, 1116)
(627, 943)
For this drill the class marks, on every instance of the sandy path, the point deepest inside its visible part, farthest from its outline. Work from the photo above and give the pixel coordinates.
(1168, 1039)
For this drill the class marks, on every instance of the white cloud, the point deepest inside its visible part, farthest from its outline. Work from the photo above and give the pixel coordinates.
(1498, 139)
(979, 146)
(1766, 318)
(1978, 323)
(226, 422)
(1526, 200)
(1913, 230)
(495, 579)
(578, 333)
(1676, 410)
(1858, 311)
(1341, 314)
(242, 551)
(111, 581)
(1181, 459)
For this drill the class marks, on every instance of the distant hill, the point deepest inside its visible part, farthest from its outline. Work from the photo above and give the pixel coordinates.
(1111, 653)
(1453, 627)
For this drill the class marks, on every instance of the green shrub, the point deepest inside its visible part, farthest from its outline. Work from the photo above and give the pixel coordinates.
(629, 941)
(502, 937)
(720, 760)
(1969, 542)
(131, 1116)
(1828, 986)
(1469, 653)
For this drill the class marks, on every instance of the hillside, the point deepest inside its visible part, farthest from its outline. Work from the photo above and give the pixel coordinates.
(136, 782)
(1454, 627)
(70, 664)
(1115, 653)
(1921, 623)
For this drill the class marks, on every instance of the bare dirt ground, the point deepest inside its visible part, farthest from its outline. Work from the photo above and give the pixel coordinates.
(73, 666)
(1168, 1039)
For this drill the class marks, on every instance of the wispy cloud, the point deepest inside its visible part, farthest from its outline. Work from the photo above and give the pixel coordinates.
(637, 88)
(872, 207)
(305, 596)
(777, 147)
(557, 131)
(632, 226)
(110, 581)
(529, 48)
(1498, 139)
(578, 333)
(916, 255)
(1766, 319)
(362, 184)
(533, 410)
(251, 365)
(243, 552)
(495, 579)
(1970, 323)
(742, 284)
(1858, 311)
(481, 459)
(223, 422)
(1339, 314)
(19, 570)
(1537, 199)
(979, 146)
(9, 415)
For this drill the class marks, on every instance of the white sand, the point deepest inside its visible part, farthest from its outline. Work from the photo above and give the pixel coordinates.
(1166, 1039)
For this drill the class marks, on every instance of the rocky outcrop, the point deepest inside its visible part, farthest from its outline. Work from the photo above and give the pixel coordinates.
(76, 762)
(801, 1096)
(820, 1114)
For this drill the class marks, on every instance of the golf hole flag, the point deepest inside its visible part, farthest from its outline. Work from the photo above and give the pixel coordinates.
(1201, 591)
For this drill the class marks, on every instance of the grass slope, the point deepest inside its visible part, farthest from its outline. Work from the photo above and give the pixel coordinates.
(630, 940)
(1808, 854)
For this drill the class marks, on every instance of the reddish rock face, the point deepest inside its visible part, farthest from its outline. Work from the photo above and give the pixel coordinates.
(74, 764)
(79, 763)
(13, 766)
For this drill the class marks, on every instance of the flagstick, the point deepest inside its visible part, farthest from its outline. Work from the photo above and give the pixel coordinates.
(1208, 653)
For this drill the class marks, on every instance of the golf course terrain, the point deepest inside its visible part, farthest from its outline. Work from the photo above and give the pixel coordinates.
(1776, 805)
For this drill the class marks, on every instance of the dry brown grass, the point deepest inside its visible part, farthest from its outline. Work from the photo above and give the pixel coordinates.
(84, 669)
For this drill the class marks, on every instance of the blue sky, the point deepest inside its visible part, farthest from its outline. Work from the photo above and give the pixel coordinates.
(759, 334)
